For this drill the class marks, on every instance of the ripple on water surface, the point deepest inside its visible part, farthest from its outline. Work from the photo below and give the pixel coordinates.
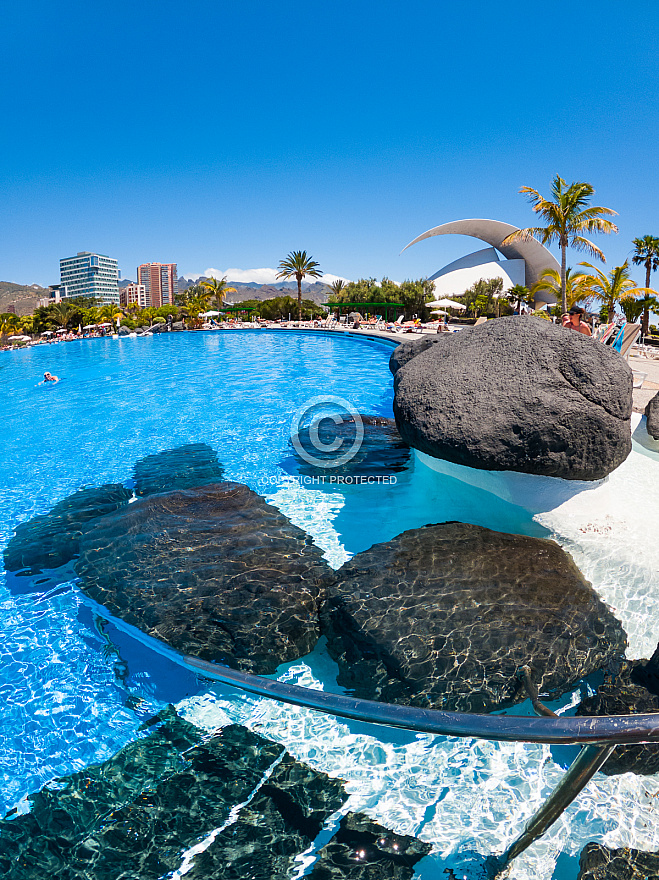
(75, 691)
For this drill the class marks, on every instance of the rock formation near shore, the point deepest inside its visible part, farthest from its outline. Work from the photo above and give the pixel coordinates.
(195, 464)
(652, 416)
(627, 692)
(598, 862)
(139, 813)
(213, 571)
(381, 450)
(516, 394)
(443, 617)
(53, 539)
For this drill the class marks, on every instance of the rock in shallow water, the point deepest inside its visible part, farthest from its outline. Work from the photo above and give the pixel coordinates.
(363, 850)
(53, 539)
(624, 694)
(135, 815)
(652, 416)
(517, 394)
(445, 615)
(378, 451)
(598, 862)
(213, 571)
(185, 467)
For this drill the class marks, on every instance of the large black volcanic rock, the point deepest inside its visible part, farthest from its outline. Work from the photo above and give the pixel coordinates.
(376, 449)
(598, 862)
(53, 539)
(185, 467)
(445, 615)
(363, 850)
(213, 571)
(518, 394)
(652, 416)
(404, 353)
(625, 694)
(135, 815)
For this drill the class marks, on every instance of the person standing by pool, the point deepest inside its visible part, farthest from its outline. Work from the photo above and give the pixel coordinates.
(573, 321)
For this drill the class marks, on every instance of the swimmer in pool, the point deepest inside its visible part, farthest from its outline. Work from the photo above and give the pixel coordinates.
(48, 377)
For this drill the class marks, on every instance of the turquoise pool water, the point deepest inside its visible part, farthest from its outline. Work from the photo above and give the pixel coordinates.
(74, 691)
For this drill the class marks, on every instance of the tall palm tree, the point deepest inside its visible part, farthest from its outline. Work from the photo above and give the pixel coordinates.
(296, 265)
(217, 289)
(612, 288)
(567, 217)
(646, 253)
(337, 287)
(550, 282)
(61, 313)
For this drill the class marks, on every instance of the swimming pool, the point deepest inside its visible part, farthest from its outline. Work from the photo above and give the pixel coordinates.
(74, 693)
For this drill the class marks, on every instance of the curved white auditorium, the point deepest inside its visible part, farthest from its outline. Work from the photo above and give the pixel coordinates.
(521, 262)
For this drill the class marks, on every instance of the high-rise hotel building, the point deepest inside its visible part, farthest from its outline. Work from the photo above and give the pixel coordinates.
(160, 281)
(89, 274)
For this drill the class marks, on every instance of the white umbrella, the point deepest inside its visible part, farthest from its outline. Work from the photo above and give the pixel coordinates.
(63, 330)
(106, 324)
(47, 333)
(447, 303)
(209, 314)
(21, 338)
(89, 326)
(438, 312)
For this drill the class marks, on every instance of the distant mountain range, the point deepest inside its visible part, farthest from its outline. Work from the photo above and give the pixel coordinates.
(21, 298)
(316, 292)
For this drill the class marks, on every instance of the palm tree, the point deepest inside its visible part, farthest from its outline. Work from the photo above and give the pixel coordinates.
(110, 311)
(612, 288)
(297, 264)
(60, 313)
(567, 217)
(550, 282)
(9, 323)
(337, 287)
(646, 254)
(517, 295)
(217, 289)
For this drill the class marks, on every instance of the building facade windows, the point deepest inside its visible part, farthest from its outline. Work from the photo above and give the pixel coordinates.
(87, 274)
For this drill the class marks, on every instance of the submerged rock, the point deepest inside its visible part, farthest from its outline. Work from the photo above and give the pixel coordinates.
(280, 822)
(379, 451)
(598, 862)
(213, 571)
(363, 850)
(137, 814)
(53, 539)
(625, 694)
(652, 416)
(445, 615)
(517, 394)
(185, 467)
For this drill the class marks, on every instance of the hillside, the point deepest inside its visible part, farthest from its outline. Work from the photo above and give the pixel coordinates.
(22, 296)
(316, 292)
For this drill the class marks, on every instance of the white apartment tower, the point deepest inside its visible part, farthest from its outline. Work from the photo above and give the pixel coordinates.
(89, 274)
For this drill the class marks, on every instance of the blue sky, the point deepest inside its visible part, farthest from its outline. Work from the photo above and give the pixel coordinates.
(227, 134)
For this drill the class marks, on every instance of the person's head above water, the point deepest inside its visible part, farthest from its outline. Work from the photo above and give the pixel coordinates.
(48, 377)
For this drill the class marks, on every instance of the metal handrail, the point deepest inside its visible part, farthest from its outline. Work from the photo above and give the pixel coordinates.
(598, 736)
(579, 730)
